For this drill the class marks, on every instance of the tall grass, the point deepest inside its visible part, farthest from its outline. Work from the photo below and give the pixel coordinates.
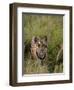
(43, 25)
(34, 66)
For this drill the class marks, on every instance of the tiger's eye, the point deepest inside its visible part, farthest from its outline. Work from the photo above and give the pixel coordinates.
(38, 45)
(44, 45)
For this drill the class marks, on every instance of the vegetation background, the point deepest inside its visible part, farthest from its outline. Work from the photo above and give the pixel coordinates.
(43, 25)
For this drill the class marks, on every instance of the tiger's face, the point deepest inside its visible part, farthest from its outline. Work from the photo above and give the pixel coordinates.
(39, 47)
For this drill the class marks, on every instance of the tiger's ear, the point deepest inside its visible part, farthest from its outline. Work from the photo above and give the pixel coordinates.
(45, 38)
(34, 39)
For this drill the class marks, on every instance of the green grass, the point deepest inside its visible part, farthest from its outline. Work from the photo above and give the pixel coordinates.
(43, 25)
(34, 66)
